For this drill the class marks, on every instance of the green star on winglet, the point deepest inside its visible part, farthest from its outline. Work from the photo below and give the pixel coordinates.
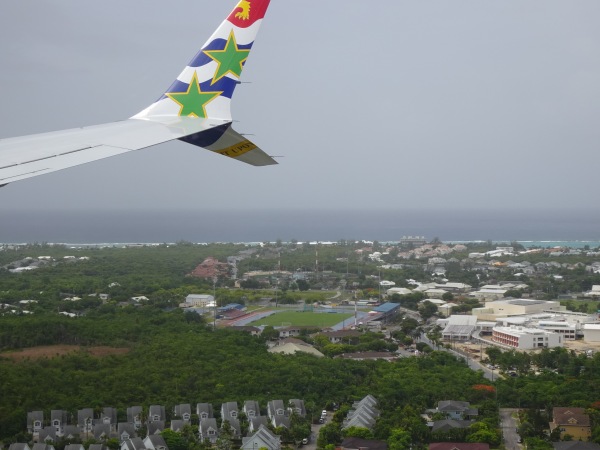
(193, 102)
(229, 60)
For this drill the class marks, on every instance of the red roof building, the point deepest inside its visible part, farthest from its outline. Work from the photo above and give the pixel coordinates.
(211, 268)
(458, 446)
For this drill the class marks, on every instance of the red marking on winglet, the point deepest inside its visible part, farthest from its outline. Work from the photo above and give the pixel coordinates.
(247, 12)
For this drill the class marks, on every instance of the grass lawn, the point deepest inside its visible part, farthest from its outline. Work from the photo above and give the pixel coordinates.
(299, 318)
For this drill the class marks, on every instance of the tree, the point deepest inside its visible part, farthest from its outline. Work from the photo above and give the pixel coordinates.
(270, 334)
(435, 335)
(493, 353)
(299, 428)
(174, 440)
(427, 310)
(535, 443)
(359, 432)
(329, 434)
(225, 440)
(448, 296)
(399, 440)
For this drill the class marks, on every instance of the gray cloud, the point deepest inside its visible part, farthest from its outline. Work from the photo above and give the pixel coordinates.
(386, 104)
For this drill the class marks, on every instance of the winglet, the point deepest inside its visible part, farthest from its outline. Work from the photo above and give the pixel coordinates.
(205, 87)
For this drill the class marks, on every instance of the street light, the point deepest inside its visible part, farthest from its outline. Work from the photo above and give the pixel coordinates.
(215, 302)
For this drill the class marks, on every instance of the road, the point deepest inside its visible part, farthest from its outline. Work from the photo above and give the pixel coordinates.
(508, 424)
(315, 428)
(473, 364)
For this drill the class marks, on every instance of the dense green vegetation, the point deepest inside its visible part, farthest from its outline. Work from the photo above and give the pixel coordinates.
(175, 358)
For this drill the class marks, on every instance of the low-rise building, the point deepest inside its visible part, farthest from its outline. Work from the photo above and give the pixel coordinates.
(515, 307)
(573, 422)
(591, 332)
(526, 338)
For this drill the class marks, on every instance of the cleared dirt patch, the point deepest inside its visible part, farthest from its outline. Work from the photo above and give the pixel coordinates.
(52, 351)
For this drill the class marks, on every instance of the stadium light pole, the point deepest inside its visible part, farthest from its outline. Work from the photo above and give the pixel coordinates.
(215, 302)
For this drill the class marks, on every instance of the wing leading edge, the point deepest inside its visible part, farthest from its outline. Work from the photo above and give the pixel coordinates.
(195, 109)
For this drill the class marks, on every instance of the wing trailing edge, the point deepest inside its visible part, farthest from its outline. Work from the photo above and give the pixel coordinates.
(195, 109)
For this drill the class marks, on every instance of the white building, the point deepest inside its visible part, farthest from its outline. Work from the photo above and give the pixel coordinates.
(567, 330)
(458, 327)
(591, 332)
(446, 309)
(399, 291)
(595, 292)
(526, 338)
(515, 307)
(490, 293)
(202, 300)
(435, 293)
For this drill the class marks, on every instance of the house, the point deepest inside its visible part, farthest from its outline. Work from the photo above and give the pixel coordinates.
(74, 447)
(42, 447)
(204, 411)
(234, 426)
(133, 444)
(108, 416)
(456, 410)
(102, 431)
(58, 420)
(251, 409)
(47, 435)
(155, 443)
(18, 446)
(363, 414)
(458, 446)
(354, 443)
(156, 413)
(443, 426)
(97, 447)
(280, 422)
(208, 430)
(275, 408)
(155, 427)
(70, 432)
(134, 416)
(177, 425)
(575, 445)
(573, 422)
(85, 420)
(183, 412)
(262, 438)
(35, 422)
(229, 410)
(254, 331)
(126, 431)
(297, 406)
(342, 336)
(289, 332)
(254, 423)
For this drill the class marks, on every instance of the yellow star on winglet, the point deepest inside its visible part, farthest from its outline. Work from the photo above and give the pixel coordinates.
(193, 102)
(229, 60)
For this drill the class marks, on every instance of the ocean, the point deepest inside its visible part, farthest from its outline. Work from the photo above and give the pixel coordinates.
(547, 228)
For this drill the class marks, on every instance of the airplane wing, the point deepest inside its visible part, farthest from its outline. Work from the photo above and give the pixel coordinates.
(195, 109)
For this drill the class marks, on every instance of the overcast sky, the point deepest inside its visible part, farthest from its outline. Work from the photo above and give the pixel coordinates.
(374, 104)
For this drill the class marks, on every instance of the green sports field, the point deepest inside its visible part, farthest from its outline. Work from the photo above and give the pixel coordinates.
(302, 319)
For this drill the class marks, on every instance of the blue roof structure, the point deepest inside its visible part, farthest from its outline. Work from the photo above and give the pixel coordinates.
(386, 308)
